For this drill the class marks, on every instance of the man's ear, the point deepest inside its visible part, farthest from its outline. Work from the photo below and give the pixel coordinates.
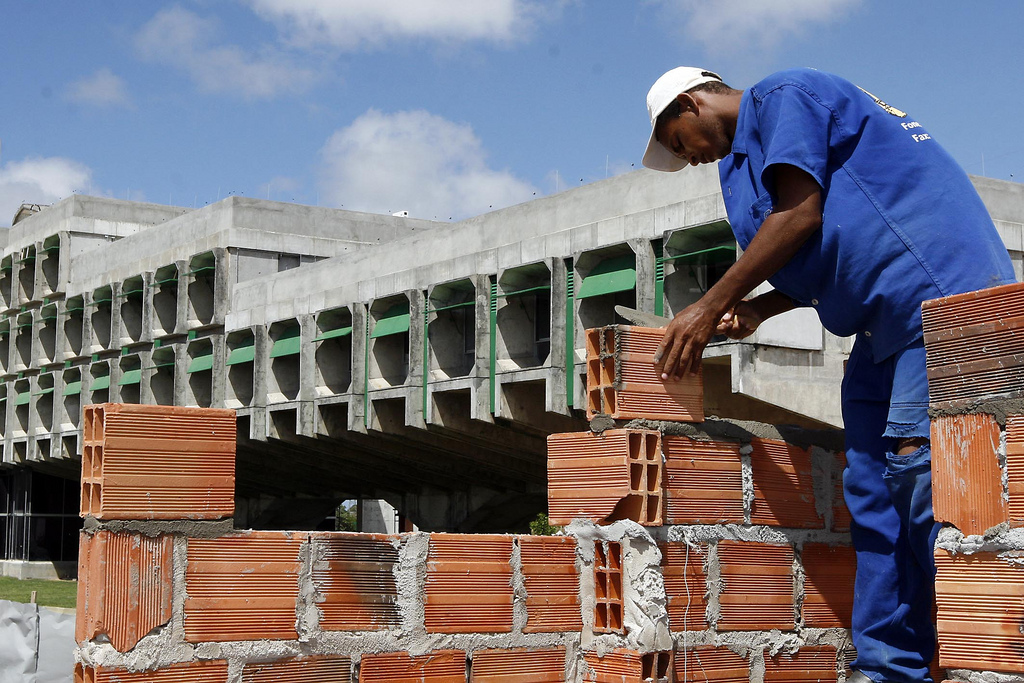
(687, 103)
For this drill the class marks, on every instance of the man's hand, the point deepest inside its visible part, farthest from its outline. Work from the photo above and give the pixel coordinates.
(685, 337)
(741, 321)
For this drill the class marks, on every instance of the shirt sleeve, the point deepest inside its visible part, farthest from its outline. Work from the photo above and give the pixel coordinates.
(795, 129)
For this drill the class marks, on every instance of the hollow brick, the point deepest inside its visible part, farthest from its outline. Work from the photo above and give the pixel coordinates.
(967, 481)
(354, 577)
(214, 671)
(703, 481)
(783, 485)
(806, 665)
(685, 585)
(552, 584)
(709, 664)
(829, 573)
(440, 666)
(757, 587)
(469, 584)
(333, 669)
(628, 665)
(521, 665)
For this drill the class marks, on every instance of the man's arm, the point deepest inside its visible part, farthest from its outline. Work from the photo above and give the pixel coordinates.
(793, 220)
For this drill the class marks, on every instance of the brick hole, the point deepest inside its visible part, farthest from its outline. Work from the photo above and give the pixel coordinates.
(86, 499)
(594, 401)
(615, 617)
(609, 340)
(651, 441)
(636, 478)
(653, 508)
(599, 556)
(608, 371)
(593, 343)
(97, 461)
(614, 555)
(601, 614)
(630, 507)
(98, 420)
(653, 478)
(635, 441)
(601, 585)
(593, 372)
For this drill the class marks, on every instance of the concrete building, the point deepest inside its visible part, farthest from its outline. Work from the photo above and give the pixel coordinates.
(370, 357)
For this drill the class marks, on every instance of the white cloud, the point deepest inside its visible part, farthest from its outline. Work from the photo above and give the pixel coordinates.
(725, 26)
(417, 162)
(102, 89)
(353, 24)
(180, 38)
(38, 180)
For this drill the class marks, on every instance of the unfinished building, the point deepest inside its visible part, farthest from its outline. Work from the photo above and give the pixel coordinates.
(370, 357)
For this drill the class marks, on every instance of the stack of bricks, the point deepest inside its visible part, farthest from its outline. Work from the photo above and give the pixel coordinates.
(701, 550)
(975, 343)
(710, 549)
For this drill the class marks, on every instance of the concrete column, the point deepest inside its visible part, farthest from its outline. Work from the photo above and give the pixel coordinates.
(645, 267)
(555, 394)
(480, 398)
(414, 415)
(307, 376)
(357, 402)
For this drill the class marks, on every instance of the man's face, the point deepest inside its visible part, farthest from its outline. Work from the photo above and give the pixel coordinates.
(696, 136)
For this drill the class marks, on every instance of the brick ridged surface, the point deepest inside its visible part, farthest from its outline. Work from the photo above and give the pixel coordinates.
(157, 462)
(975, 344)
(605, 477)
(552, 584)
(300, 670)
(441, 666)
(626, 665)
(622, 381)
(1015, 468)
(703, 481)
(354, 575)
(829, 572)
(608, 604)
(967, 485)
(980, 602)
(468, 586)
(518, 666)
(708, 663)
(841, 518)
(783, 485)
(124, 586)
(195, 672)
(685, 585)
(810, 664)
(242, 587)
(757, 586)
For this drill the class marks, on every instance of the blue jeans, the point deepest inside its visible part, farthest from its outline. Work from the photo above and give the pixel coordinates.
(890, 500)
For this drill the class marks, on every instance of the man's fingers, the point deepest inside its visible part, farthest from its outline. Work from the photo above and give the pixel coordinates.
(672, 359)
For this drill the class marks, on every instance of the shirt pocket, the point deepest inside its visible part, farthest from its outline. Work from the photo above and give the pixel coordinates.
(760, 210)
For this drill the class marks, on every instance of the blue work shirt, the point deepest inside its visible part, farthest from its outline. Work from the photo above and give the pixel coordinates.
(901, 221)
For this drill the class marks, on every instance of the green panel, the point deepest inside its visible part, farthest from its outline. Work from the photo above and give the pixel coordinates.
(22, 398)
(494, 344)
(100, 383)
(44, 392)
(524, 292)
(394, 321)
(334, 334)
(242, 354)
(616, 274)
(201, 363)
(724, 253)
(570, 334)
(659, 277)
(289, 344)
(73, 388)
(130, 377)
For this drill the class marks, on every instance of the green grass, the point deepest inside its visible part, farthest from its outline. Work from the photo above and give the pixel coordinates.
(48, 593)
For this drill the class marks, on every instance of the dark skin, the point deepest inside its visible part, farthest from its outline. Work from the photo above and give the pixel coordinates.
(703, 133)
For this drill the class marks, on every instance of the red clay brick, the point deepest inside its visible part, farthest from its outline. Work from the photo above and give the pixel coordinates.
(980, 601)
(440, 666)
(300, 670)
(215, 671)
(783, 485)
(124, 586)
(757, 586)
(608, 606)
(975, 345)
(354, 575)
(703, 481)
(552, 584)
(605, 477)
(243, 586)
(468, 586)
(622, 665)
(1015, 469)
(158, 462)
(841, 518)
(622, 381)
(808, 664)
(518, 666)
(829, 572)
(708, 664)
(967, 485)
(685, 585)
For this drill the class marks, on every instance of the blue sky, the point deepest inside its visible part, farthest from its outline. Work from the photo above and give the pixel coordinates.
(446, 108)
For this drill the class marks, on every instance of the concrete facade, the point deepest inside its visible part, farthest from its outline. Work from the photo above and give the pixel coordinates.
(369, 356)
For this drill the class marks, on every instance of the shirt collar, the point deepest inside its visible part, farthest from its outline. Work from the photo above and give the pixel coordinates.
(746, 123)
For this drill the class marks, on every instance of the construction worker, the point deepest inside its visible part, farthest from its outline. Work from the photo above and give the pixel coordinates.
(846, 204)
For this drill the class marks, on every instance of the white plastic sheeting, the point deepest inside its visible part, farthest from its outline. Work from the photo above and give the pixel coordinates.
(37, 644)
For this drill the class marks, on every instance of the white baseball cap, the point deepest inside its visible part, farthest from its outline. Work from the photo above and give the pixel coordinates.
(661, 94)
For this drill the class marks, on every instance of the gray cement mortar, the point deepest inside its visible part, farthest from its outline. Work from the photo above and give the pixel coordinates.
(743, 431)
(999, 408)
(192, 528)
